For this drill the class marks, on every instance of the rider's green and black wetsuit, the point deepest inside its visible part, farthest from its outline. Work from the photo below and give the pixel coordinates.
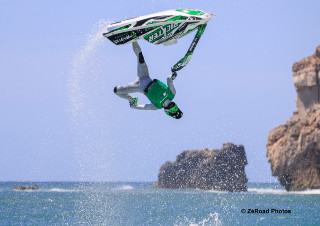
(159, 94)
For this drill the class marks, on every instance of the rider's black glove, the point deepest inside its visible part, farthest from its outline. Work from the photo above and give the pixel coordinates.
(174, 75)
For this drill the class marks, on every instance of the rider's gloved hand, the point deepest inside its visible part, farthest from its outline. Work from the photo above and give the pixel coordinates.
(174, 75)
(133, 103)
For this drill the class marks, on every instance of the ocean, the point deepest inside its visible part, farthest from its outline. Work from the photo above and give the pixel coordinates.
(129, 203)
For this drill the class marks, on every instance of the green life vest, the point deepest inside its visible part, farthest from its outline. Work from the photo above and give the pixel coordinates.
(157, 92)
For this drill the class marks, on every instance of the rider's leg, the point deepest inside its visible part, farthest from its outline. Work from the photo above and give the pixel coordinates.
(124, 90)
(142, 71)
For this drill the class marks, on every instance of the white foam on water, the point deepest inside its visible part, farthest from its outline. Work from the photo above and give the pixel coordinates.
(266, 191)
(307, 192)
(125, 187)
(213, 219)
(283, 192)
(216, 191)
(48, 190)
(60, 190)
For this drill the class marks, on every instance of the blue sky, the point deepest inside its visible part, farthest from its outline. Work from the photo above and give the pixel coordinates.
(61, 121)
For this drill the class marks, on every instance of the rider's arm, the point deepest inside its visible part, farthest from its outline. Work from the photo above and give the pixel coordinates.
(170, 84)
(144, 107)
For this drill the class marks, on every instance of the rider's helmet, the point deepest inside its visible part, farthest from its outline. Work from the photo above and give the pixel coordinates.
(173, 111)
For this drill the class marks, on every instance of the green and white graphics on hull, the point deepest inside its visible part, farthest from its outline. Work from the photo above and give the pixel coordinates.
(161, 28)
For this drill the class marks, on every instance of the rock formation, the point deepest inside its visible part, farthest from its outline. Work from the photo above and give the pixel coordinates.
(206, 169)
(306, 77)
(21, 187)
(293, 149)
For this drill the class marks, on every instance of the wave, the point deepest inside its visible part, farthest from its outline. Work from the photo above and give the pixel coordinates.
(125, 187)
(267, 191)
(283, 192)
(61, 190)
(218, 192)
(307, 192)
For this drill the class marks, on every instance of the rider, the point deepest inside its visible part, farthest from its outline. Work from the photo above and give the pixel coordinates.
(157, 92)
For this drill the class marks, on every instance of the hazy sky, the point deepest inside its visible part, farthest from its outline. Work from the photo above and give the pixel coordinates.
(60, 120)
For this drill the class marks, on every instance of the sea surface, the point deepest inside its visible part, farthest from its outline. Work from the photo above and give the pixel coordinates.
(110, 203)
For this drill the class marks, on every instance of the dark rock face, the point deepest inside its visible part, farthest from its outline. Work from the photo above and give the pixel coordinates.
(293, 149)
(20, 187)
(206, 169)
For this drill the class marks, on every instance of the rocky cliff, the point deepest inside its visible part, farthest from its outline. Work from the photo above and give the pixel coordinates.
(293, 149)
(206, 169)
(306, 77)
